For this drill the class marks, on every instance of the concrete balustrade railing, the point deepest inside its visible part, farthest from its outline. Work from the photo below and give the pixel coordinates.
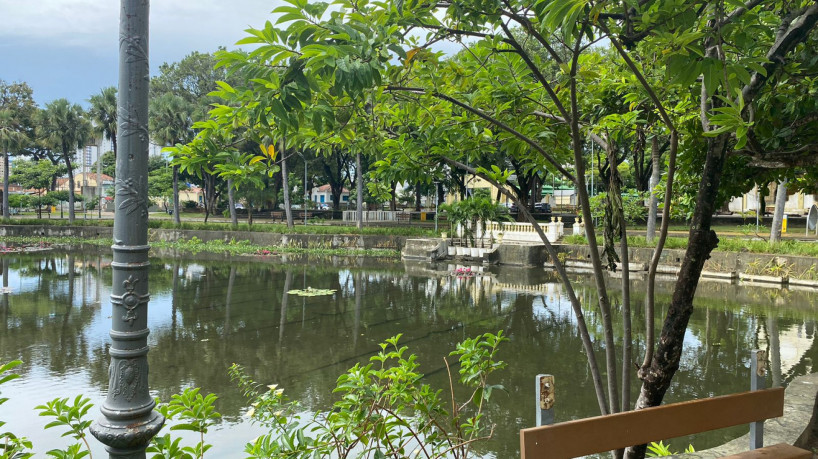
(371, 216)
(525, 232)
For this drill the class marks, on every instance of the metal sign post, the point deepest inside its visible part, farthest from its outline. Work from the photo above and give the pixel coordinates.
(758, 376)
(129, 420)
(545, 399)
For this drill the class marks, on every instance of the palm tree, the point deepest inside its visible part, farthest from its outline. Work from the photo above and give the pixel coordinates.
(65, 127)
(171, 123)
(103, 113)
(11, 138)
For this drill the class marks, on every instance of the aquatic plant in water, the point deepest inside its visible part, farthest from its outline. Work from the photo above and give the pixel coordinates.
(309, 291)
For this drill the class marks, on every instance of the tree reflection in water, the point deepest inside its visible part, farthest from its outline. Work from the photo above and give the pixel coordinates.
(207, 315)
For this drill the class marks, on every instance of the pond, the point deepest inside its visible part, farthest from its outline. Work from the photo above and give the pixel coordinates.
(205, 315)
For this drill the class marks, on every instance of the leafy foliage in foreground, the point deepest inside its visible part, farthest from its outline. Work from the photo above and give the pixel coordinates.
(11, 445)
(384, 411)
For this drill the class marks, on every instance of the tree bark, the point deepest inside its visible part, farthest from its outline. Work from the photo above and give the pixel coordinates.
(285, 185)
(653, 205)
(393, 202)
(702, 240)
(359, 176)
(5, 184)
(176, 210)
(70, 189)
(778, 214)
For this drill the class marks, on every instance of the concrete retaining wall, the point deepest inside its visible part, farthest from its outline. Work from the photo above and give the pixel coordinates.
(425, 249)
(260, 238)
(718, 261)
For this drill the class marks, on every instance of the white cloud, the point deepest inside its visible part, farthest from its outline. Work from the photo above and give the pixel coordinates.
(72, 22)
(176, 25)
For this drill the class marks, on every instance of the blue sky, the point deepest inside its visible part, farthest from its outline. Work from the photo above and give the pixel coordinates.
(68, 48)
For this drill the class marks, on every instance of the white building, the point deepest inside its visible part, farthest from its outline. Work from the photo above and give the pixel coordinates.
(797, 202)
(323, 195)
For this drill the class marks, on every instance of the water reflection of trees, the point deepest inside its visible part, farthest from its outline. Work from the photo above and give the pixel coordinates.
(46, 313)
(206, 315)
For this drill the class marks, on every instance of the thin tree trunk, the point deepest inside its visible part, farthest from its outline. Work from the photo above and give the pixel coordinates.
(778, 215)
(232, 203)
(285, 184)
(599, 277)
(627, 343)
(359, 176)
(6, 213)
(701, 241)
(653, 206)
(70, 190)
(393, 202)
(176, 210)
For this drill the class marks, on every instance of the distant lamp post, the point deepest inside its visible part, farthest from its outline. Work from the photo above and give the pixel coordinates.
(128, 419)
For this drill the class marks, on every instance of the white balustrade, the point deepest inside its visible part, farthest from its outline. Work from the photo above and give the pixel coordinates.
(371, 216)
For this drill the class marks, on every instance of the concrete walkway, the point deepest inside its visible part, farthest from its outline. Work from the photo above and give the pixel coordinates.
(798, 402)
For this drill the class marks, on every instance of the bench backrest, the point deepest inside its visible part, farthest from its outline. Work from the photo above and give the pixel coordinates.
(605, 433)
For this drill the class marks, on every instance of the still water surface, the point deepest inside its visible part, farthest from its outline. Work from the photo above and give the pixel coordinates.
(205, 315)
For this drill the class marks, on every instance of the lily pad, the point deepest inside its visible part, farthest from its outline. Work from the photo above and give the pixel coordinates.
(309, 291)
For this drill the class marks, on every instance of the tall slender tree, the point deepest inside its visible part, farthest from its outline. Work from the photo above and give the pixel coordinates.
(65, 127)
(11, 138)
(170, 124)
(103, 114)
(17, 109)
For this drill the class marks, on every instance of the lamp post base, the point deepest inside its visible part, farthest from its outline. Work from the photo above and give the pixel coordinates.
(126, 438)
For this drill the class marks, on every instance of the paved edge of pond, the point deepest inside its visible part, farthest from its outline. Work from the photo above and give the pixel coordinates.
(799, 398)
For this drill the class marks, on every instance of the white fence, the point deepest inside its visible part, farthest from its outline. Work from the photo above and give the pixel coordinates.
(371, 216)
(519, 232)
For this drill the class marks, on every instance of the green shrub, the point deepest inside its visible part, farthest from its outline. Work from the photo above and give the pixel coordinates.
(384, 408)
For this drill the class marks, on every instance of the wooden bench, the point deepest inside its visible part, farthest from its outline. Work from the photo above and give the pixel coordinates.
(606, 433)
(277, 215)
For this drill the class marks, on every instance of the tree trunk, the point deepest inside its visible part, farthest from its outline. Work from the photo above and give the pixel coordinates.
(232, 203)
(70, 190)
(176, 210)
(417, 197)
(208, 195)
(778, 214)
(653, 206)
(285, 185)
(393, 202)
(359, 178)
(5, 184)
(702, 240)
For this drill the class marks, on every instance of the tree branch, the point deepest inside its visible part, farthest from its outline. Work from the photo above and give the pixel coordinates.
(795, 34)
(493, 121)
(806, 156)
(596, 138)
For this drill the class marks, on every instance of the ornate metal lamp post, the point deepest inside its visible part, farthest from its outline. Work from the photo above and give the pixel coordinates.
(129, 421)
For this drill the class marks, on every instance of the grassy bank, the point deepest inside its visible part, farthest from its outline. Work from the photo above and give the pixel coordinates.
(195, 245)
(278, 228)
(726, 244)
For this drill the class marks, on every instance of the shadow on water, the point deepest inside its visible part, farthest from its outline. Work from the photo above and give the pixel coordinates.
(205, 315)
